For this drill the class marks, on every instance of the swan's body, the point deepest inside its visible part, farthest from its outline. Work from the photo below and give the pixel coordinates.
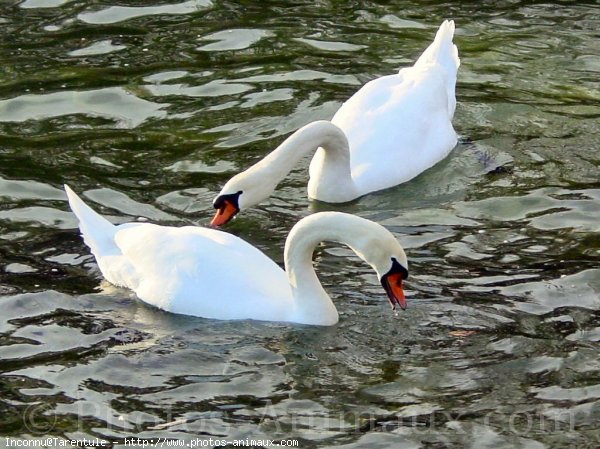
(209, 273)
(392, 129)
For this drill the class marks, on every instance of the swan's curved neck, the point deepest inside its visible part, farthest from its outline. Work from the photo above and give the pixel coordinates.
(322, 135)
(311, 302)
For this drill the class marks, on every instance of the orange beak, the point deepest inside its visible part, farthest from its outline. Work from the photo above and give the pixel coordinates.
(224, 214)
(393, 287)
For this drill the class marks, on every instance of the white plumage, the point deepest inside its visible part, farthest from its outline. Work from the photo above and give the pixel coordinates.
(391, 130)
(209, 273)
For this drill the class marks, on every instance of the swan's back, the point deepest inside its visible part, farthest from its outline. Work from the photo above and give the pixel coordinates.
(400, 125)
(204, 272)
(189, 270)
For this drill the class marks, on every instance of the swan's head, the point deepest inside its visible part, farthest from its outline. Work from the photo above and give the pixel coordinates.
(374, 244)
(227, 205)
(392, 283)
(243, 191)
(388, 259)
(379, 248)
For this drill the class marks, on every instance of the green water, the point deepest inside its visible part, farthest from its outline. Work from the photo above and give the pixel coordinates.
(147, 108)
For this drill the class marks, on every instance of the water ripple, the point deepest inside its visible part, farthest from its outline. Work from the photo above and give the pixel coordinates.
(233, 39)
(116, 103)
(97, 48)
(116, 14)
(147, 108)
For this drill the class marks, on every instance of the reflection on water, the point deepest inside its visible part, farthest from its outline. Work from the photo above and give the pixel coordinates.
(147, 109)
(127, 110)
(115, 14)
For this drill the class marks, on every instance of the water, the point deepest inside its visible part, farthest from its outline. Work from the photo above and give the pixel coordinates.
(147, 109)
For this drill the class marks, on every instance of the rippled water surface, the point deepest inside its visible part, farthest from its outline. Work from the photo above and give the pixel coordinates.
(147, 108)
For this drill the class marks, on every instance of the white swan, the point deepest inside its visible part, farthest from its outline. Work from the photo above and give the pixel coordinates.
(392, 129)
(209, 273)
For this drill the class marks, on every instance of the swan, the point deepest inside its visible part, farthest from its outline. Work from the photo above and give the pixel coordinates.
(209, 273)
(392, 129)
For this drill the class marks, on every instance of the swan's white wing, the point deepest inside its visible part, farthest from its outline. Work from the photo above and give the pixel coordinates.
(397, 126)
(204, 272)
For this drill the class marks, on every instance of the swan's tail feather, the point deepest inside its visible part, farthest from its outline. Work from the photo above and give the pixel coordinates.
(98, 233)
(442, 51)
